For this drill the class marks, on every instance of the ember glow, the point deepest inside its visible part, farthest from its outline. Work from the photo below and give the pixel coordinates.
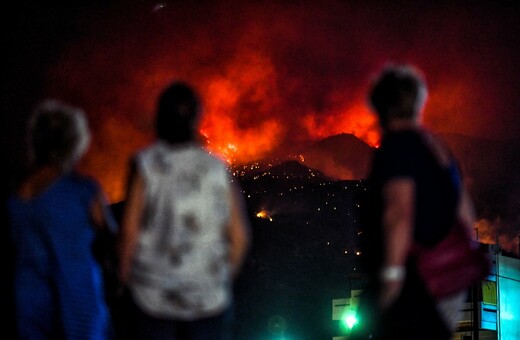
(265, 215)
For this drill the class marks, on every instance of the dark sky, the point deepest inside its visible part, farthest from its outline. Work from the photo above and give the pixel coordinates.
(271, 73)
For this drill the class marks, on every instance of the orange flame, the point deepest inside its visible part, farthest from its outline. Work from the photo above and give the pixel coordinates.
(229, 99)
(263, 214)
(254, 80)
(356, 120)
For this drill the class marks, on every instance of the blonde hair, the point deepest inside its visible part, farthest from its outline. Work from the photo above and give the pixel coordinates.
(58, 134)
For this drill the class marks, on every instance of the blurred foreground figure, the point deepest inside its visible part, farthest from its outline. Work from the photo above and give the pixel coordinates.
(54, 215)
(184, 232)
(415, 197)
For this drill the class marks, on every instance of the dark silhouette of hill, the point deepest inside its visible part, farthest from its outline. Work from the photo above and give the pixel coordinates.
(259, 176)
(342, 156)
(285, 166)
(491, 169)
(292, 169)
(287, 170)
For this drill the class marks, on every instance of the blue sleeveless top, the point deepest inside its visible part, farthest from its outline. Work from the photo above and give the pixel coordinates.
(58, 283)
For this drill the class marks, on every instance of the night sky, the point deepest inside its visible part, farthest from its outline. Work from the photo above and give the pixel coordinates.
(272, 74)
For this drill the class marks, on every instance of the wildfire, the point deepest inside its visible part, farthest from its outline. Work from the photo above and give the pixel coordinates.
(263, 214)
(356, 120)
(264, 86)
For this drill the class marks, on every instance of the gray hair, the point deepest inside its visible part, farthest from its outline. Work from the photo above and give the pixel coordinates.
(399, 92)
(58, 134)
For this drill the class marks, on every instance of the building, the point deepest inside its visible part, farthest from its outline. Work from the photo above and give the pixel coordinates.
(491, 312)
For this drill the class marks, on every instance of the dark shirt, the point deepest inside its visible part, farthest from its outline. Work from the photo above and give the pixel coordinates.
(405, 154)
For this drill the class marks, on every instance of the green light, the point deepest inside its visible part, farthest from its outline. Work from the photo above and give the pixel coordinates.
(277, 325)
(349, 319)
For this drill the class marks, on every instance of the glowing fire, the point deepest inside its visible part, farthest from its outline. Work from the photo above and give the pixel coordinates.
(263, 83)
(356, 120)
(238, 104)
(263, 214)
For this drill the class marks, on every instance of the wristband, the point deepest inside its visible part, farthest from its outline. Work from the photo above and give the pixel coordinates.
(392, 273)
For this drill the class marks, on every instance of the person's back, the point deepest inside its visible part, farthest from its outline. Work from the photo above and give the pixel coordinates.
(53, 218)
(182, 251)
(57, 277)
(184, 234)
(415, 196)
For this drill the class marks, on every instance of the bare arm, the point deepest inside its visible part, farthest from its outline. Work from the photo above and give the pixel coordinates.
(130, 224)
(238, 231)
(398, 216)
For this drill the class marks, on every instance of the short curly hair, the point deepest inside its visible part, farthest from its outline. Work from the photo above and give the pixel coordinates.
(399, 92)
(58, 134)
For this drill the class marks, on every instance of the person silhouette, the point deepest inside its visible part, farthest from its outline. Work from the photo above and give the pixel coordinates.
(415, 195)
(184, 230)
(54, 216)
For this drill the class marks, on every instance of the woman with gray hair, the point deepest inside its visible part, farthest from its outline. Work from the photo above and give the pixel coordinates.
(53, 217)
(415, 196)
